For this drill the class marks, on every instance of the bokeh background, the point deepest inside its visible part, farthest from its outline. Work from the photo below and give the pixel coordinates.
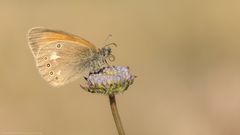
(185, 53)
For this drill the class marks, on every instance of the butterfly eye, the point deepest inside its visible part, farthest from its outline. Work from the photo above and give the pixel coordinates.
(51, 72)
(48, 65)
(59, 45)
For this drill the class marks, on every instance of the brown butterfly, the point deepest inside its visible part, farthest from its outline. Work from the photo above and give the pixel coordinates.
(61, 57)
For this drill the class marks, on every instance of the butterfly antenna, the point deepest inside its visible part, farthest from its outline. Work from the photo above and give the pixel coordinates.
(105, 41)
(110, 44)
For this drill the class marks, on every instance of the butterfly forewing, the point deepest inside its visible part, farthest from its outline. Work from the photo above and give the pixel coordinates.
(39, 37)
(60, 57)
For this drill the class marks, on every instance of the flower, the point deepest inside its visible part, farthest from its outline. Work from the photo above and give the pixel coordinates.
(109, 80)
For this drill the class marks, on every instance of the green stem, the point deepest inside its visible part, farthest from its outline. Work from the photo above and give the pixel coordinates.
(115, 114)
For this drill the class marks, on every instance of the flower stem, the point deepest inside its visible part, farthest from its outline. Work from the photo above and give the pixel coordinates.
(115, 114)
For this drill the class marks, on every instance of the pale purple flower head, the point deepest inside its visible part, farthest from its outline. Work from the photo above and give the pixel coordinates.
(109, 80)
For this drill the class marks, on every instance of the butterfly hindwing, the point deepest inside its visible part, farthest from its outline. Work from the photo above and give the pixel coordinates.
(61, 62)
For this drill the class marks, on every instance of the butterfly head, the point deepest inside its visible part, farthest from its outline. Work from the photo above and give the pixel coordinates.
(106, 52)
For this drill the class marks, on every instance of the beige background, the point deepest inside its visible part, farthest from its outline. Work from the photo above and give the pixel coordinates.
(185, 54)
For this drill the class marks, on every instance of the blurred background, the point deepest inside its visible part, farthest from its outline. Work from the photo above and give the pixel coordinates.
(185, 53)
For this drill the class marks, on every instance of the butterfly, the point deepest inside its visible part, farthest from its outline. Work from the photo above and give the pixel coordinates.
(61, 57)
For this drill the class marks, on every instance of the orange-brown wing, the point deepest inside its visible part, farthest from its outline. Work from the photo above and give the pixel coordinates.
(40, 37)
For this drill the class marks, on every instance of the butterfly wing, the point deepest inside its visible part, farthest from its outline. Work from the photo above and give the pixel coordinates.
(39, 37)
(60, 56)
